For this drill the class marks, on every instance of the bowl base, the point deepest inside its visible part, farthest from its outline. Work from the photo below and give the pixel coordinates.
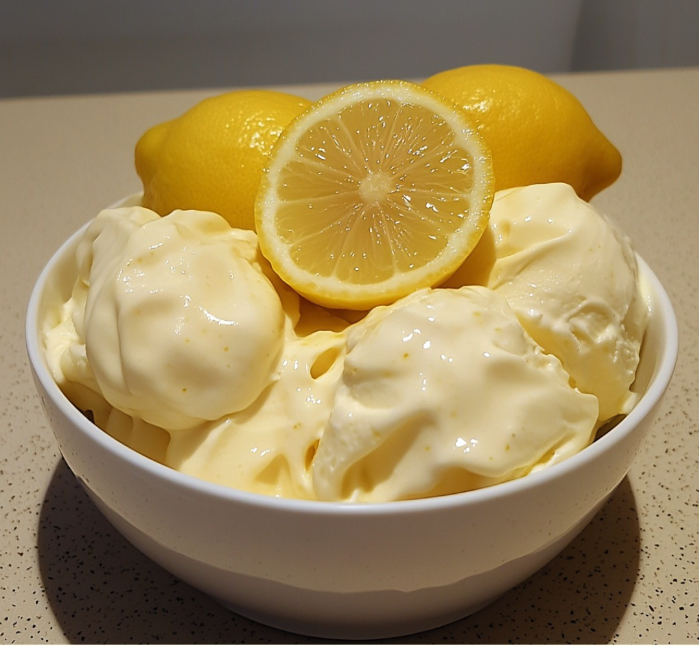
(378, 614)
(356, 631)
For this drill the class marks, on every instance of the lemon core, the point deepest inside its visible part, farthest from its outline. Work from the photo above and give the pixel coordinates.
(375, 187)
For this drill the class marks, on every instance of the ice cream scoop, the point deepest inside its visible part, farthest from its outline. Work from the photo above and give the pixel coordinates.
(572, 279)
(179, 325)
(445, 392)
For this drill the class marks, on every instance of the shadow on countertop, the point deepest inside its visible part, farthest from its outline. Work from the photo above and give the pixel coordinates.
(103, 590)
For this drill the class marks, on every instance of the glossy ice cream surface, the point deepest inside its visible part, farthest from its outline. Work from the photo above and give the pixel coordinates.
(186, 347)
(442, 392)
(571, 277)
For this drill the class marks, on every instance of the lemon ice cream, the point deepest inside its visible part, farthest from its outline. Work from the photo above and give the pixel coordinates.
(172, 321)
(185, 346)
(445, 392)
(269, 447)
(571, 277)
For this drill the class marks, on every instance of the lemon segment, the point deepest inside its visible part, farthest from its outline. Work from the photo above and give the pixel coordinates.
(375, 191)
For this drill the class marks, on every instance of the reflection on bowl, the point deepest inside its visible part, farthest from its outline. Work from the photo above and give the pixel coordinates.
(340, 570)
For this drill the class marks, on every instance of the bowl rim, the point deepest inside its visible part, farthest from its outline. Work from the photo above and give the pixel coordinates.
(658, 385)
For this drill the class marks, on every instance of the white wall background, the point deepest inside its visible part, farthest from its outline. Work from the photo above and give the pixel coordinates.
(85, 46)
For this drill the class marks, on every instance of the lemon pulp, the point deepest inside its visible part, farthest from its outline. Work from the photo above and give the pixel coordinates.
(377, 190)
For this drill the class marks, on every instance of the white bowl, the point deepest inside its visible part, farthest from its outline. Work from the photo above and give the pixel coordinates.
(342, 570)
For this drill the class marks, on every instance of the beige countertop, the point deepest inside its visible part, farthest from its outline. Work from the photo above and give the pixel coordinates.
(631, 576)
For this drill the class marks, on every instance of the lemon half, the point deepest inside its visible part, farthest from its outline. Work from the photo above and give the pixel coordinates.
(375, 191)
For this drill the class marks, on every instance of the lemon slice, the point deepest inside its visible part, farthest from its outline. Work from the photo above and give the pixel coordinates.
(375, 191)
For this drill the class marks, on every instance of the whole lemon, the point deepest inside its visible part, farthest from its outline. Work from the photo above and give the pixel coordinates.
(537, 131)
(211, 158)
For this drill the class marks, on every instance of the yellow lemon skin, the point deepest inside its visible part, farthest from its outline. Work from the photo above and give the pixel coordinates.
(537, 131)
(211, 158)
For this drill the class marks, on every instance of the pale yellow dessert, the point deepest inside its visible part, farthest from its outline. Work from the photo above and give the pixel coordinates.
(571, 277)
(235, 379)
(445, 392)
(154, 297)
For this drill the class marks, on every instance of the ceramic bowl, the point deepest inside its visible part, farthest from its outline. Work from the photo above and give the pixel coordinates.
(342, 570)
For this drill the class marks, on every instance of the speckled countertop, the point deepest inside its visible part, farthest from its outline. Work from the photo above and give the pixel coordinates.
(632, 576)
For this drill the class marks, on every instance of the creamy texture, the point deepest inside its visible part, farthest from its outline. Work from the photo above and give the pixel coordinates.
(183, 344)
(178, 326)
(572, 279)
(269, 447)
(445, 392)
